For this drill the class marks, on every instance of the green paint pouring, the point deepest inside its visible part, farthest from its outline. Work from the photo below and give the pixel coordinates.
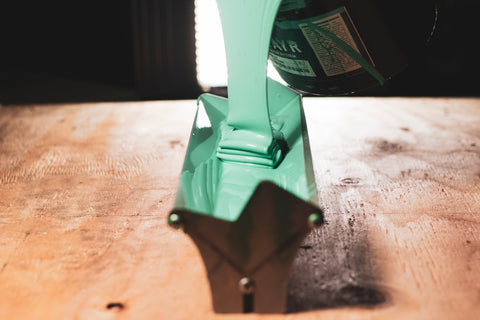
(247, 28)
(259, 133)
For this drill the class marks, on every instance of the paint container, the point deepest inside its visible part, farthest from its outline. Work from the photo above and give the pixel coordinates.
(333, 47)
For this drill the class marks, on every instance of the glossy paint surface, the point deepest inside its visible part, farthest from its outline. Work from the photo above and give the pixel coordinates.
(212, 186)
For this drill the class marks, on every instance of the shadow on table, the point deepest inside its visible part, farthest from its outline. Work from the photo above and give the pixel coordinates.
(333, 269)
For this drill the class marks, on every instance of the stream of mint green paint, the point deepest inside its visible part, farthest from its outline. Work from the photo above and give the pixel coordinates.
(247, 27)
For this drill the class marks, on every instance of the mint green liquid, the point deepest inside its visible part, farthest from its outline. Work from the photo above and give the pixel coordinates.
(247, 27)
(257, 134)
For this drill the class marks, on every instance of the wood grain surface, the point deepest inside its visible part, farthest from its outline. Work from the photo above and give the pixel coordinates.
(85, 190)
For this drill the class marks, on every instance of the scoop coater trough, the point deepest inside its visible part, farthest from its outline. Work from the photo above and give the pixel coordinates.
(247, 194)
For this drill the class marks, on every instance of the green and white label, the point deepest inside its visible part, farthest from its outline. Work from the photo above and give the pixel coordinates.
(333, 60)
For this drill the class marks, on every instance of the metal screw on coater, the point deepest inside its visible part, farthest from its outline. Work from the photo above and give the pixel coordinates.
(315, 220)
(175, 221)
(246, 285)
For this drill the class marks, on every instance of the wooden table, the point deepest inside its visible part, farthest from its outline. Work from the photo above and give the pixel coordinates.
(85, 190)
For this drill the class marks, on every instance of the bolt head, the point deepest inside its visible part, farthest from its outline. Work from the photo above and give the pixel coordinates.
(315, 220)
(175, 221)
(246, 285)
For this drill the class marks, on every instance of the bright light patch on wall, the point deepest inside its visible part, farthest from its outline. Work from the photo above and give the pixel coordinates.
(210, 50)
(211, 61)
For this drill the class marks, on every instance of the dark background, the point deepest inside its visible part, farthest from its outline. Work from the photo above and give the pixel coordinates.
(71, 51)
